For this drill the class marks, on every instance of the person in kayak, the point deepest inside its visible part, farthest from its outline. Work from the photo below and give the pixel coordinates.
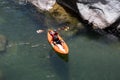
(55, 38)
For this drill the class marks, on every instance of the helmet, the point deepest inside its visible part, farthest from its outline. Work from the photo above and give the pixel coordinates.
(55, 30)
(51, 32)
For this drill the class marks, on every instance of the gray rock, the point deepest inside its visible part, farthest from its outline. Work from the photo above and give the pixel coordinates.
(101, 13)
(92, 1)
(43, 4)
(3, 43)
(118, 27)
(71, 4)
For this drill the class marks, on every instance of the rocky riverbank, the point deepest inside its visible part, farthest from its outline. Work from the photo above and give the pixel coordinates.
(101, 14)
(58, 12)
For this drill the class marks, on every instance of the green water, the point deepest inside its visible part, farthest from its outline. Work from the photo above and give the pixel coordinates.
(29, 56)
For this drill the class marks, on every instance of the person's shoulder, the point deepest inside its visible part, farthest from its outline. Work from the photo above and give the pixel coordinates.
(56, 32)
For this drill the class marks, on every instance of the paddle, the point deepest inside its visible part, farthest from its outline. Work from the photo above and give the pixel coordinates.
(40, 31)
(58, 29)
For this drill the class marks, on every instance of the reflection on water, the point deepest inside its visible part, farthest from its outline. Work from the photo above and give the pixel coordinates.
(64, 57)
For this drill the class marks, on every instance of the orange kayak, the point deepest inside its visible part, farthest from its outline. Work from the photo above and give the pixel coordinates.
(60, 48)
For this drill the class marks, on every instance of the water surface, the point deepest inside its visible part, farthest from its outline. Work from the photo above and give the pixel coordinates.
(29, 56)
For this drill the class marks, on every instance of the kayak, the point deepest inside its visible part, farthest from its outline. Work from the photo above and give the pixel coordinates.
(60, 48)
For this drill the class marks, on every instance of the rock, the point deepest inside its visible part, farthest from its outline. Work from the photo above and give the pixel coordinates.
(71, 4)
(118, 27)
(100, 14)
(3, 43)
(57, 11)
(61, 15)
(43, 4)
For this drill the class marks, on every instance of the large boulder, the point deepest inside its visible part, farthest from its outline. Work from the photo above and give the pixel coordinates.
(71, 4)
(101, 13)
(57, 11)
(3, 43)
(43, 4)
(61, 15)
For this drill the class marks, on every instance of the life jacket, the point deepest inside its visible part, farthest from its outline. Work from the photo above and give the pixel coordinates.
(56, 39)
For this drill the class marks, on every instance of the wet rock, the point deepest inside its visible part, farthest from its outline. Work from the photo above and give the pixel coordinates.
(61, 15)
(57, 11)
(3, 43)
(100, 14)
(43, 4)
(71, 4)
(118, 27)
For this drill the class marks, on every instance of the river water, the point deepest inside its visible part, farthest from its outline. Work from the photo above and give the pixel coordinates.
(30, 57)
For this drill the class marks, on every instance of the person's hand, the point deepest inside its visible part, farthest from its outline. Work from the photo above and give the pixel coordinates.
(62, 41)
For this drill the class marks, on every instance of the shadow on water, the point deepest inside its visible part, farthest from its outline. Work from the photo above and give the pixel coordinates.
(29, 10)
(64, 57)
(60, 66)
(91, 34)
(37, 17)
(2, 52)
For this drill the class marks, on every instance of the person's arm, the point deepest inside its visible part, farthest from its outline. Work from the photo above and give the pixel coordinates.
(62, 41)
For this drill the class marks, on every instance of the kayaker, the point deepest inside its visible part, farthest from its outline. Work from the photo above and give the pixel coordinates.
(55, 37)
(53, 33)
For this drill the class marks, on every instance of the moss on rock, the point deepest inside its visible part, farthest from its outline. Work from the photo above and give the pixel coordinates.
(61, 15)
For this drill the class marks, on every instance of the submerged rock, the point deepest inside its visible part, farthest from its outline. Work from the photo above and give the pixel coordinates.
(3, 43)
(61, 15)
(57, 11)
